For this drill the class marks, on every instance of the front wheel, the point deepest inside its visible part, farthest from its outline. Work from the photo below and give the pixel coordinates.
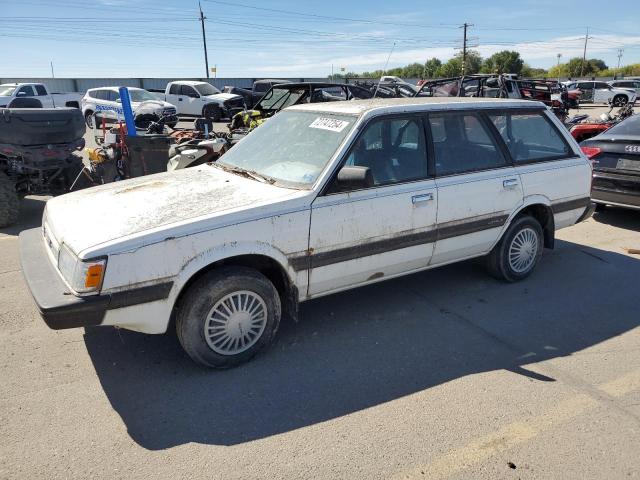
(227, 316)
(620, 101)
(89, 119)
(518, 252)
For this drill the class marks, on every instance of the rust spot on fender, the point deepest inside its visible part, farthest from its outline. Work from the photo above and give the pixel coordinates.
(375, 275)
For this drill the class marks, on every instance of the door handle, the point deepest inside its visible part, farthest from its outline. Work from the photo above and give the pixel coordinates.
(179, 99)
(427, 197)
(510, 183)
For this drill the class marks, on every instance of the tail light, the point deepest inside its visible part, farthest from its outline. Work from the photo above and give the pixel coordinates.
(591, 152)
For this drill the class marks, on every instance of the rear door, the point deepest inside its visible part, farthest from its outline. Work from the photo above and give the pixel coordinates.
(546, 163)
(602, 92)
(478, 188)
(43, 96)
(364, 235)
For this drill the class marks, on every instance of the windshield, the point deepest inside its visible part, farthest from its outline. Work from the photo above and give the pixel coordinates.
(292, 147)
(7, 90)
(138, 95)
(205, 89)
(280, 98)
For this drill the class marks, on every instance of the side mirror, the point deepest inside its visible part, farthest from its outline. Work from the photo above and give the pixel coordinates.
(21, 94)
(352, 178)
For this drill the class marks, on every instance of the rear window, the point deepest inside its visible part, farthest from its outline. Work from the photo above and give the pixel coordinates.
(530, 137)
(40, 90)
(630, 126)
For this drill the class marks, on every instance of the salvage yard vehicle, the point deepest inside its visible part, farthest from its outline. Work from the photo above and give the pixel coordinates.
(37, 154)
(587, 128)
(105, 103)
(602, 92)
(321, 198)
(616, 164)
(201, 99)
(10, 92)
(282, 96)
(253, 95)
(629, 84)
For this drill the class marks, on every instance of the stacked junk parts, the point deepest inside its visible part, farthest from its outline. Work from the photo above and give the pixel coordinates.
(38, 146)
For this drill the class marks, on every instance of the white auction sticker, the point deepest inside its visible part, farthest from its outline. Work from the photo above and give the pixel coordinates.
(331, 124)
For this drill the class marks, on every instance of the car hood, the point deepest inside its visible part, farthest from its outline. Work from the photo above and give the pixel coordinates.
(151, 104)
(623, 90)
(164, 204)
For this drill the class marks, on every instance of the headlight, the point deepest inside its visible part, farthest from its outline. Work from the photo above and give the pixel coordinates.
(82, 276)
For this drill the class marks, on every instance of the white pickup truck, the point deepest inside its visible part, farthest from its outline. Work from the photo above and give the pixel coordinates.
(14, 92)
(200, 99)
(323, 197)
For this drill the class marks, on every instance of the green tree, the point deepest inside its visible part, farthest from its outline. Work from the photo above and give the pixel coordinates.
(431, 67)
(506, 61)
(530, 72)
(453, 67)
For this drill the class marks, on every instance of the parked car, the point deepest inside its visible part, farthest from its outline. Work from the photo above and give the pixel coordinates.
(602, 92)
(626, 84)
(616, 164)
(200, 99)
(321, 198)
(10, 92)
(253, 95)
(104, 102)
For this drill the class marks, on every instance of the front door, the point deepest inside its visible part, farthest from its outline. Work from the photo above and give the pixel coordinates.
(587, 91)
(189, 100)
(374, 233)
(477, 186)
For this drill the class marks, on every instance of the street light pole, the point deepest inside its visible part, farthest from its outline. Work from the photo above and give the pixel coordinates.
(559, 55)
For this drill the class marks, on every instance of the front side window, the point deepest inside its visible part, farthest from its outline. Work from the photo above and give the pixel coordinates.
(393, 149)
(206, 89)
(174, 89)
(462, 143)
(530, 136)
(188, 91)
(291, 149)
(25, 91)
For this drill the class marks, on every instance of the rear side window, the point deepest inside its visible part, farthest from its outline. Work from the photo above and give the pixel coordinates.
(530, 137)
(462, 143)
(41, 90)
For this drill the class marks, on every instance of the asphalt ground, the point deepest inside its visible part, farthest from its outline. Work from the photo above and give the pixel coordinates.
(442, 374)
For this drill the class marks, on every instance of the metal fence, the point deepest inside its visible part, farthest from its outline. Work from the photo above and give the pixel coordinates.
(81, 85)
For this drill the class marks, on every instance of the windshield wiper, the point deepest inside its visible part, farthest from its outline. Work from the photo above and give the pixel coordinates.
(245, 173)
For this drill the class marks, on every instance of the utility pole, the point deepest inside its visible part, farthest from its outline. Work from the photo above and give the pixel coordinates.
(620, 52)
(558, 68)
(465, 45)
(204, 39)
(53, 76)
(584, 54)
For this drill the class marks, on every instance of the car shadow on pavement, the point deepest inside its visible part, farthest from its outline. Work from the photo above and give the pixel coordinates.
(362, 348)
(619, 217)
(31, 209)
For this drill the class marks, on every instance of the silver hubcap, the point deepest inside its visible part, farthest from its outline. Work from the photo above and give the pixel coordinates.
(235, 323)
(523, 250)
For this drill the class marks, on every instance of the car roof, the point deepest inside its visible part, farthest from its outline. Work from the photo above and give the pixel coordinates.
(190, 82)
(114, 89)
(360, 107)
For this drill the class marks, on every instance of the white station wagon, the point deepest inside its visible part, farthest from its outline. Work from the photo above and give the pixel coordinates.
(319, 199)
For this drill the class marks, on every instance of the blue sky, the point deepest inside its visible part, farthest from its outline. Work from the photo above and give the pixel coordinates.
(284, 38)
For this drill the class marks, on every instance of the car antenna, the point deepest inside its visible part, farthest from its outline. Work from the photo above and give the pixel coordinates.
(384, 71)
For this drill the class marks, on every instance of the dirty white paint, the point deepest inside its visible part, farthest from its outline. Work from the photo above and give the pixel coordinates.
(169, 226)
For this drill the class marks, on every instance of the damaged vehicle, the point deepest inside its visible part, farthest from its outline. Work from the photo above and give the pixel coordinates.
(251, 96)
(282, 96)
(322, 198)
(37, 154)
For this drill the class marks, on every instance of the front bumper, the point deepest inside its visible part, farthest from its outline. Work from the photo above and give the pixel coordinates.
(616, 189)
(58, 306)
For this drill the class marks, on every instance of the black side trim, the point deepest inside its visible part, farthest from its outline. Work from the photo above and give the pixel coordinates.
(447, 230)
(136, 296)
(570, 205)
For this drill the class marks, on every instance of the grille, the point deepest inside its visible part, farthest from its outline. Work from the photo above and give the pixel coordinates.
(234, 103)
(169, 111)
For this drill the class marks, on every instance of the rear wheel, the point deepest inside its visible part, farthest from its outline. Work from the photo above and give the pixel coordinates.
(9, 202)
(227, 316)
(518, 252)
(620, 100)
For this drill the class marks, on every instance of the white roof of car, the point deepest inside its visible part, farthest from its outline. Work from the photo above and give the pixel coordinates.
(360, 107)
(189, 82)
(115, 89)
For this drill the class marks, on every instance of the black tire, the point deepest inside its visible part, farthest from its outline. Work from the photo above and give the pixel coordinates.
(143, 121)
(172, 124)
(214, 112)
(498, 262)
(9, 202)
(620, 100)
(89, 118)
(195, 307)
(600, 207)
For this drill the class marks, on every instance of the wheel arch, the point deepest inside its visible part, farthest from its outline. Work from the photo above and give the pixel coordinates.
(538, 207)
(273, 266)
